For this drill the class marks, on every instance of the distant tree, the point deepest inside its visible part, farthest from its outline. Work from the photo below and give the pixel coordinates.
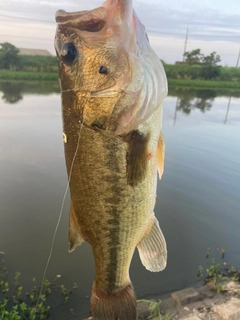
(210, 67)
(8, 55)
(212, 60)
(193, 57)
(209, 64)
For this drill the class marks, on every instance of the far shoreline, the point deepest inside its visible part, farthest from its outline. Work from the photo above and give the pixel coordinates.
(6, 75)
(204, 84)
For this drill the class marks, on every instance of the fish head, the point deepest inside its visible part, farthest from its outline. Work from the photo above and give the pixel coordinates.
(101, 56)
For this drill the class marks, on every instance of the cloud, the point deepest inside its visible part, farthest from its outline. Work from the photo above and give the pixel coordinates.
(44, 10)
(167, 18)
(26, 23)
(204, 23)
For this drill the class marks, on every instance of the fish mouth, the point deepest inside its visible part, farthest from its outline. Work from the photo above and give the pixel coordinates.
(62, 16)
(111, 22)
(88, 21)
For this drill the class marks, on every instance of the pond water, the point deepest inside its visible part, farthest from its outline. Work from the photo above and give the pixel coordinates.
(198, 203)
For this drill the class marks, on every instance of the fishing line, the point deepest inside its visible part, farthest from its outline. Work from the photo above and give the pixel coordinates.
(60, 215)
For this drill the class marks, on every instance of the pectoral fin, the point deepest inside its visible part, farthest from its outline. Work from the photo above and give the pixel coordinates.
(152, 249)
(137, 158)
(160, 155)
(75, 236)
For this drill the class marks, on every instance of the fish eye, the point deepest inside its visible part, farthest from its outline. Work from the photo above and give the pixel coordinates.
(69, 52)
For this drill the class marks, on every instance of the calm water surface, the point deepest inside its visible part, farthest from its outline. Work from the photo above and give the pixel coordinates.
(198, 203)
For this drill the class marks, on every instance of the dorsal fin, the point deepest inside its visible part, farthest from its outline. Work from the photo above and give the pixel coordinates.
(121, 9)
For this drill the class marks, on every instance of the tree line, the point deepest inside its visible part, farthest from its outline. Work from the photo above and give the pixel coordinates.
(10, 59)
(196, 66)
(202, 67)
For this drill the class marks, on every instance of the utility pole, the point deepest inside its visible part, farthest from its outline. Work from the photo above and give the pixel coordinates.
(238, 60)
(175, 114)
(228, 108)
(185, 45)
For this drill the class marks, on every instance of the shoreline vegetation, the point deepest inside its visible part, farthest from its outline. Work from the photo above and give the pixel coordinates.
(8, 75)
(196, 70)
(203, 84)
(219, 286)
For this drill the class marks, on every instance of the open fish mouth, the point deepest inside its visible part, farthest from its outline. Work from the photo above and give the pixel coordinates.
(106, 59)
(88, 21)
(77, 32)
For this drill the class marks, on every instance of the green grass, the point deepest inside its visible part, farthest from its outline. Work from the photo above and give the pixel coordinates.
(52, 76)
(154, 310)
(17, 304)
(28, 76)
(204, 84)
(216, 272)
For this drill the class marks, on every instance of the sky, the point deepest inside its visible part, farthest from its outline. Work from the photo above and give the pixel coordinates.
(213, 25)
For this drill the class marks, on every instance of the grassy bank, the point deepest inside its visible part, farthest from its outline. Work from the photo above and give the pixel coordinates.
(204, 84)
(21, 303)
(28, 76)
(53, 76)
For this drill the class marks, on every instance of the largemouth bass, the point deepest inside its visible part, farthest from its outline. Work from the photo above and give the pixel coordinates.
(112, 88)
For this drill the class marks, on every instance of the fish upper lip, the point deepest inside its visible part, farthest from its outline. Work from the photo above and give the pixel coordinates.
(80, 18)
(62, 16)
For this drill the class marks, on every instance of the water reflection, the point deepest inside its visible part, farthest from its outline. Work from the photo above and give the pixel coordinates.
(188, 99)
(228, 108)
(14, 91)
(197, 201)
(186, 104)
(183, 92)
(201, 99)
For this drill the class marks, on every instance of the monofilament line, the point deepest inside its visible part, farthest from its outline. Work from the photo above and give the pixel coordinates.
(59, 218)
